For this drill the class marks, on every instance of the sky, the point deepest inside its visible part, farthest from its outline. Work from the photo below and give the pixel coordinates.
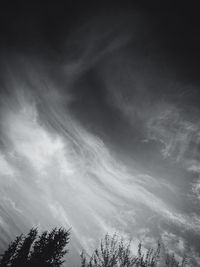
(99, 123)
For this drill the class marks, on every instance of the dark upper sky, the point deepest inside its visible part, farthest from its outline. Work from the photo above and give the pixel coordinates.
(175, 26)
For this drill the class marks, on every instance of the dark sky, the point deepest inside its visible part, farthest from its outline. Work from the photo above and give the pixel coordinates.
(99, 108)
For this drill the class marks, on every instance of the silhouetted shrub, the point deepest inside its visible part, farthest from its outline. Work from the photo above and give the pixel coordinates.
(43, 250)
(114, 252)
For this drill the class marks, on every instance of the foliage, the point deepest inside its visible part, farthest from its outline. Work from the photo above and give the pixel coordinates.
(10, 253)
(43, 250)
(114, 252)
(48, 250)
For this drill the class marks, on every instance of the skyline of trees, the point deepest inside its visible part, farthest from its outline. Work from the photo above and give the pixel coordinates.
(49, 248)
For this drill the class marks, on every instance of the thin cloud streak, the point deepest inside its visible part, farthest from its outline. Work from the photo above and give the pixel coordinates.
(76, 179)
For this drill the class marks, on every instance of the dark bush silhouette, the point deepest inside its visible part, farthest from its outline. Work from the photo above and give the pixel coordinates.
(48, 250)
(114, 252)
(43, 250)
(10, 253)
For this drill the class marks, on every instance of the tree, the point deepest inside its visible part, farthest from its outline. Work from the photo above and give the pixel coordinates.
(114, 252)
(10, 253)
(48, 250)
(21, 257)
(45, 250)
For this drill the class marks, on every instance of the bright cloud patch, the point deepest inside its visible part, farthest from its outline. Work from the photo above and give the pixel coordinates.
(5, 168)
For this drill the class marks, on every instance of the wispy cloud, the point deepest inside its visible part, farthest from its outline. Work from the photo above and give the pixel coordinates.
(71, 177)
(5, 168)
(54, 171)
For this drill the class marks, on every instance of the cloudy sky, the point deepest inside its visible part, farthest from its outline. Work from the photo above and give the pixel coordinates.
(99, 123)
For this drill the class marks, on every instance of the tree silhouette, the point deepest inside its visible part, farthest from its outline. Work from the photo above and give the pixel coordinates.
(21, 257)
(45, 250)
(48, 250)
(114, 252)
(10, 253)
